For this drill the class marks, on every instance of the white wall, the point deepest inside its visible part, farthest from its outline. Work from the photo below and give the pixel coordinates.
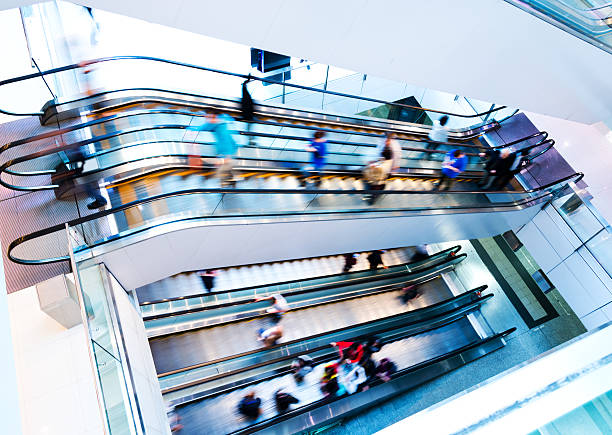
(486, 49)
(9, 399)
(56, 384)
(588, 149)
(141, 364)
(582, 282)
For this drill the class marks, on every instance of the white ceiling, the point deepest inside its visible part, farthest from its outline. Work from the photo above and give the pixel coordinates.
(486, 49)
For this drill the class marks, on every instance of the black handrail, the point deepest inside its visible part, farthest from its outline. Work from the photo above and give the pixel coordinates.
(371, 278)
(59, 227)
(217, 71)
(4, 167)
(259, 425)
(470, 305)
(322, 334)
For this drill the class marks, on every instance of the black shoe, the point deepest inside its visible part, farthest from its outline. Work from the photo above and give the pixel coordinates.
(96, 204)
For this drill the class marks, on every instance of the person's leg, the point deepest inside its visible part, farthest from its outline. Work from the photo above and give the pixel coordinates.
(94, 193)
(448, 182)
(441, 180)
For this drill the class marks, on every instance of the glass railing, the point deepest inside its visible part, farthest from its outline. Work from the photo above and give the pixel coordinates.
(589, 20)
(162, 213)
(377, 98)
(118, 405)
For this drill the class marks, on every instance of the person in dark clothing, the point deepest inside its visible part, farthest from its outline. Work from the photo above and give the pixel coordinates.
(408, 293)
(301, 366)
(208, 279)
(519, 162)
(385, 369)
(349, 261)
(249, 406)
(247, 110)
(371, 346)
(491, 157)
(284, 400)
(375, 259)
(420, 253)
(500, 169)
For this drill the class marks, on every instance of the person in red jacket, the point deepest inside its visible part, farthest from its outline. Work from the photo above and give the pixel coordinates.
(349, 350)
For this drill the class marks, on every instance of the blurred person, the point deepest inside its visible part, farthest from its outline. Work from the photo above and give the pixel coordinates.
(385, 369)
(372, 345)
(318, 153)
(247, 110)
(279, 306)
(352, 376)
(375, 174)
(499, 169)
(330, 384)
(491, 157)
(519, 162)
(77, 156)
(250, 406)
(284, 400)
(351, 351)
(438, 133)
(349, 261)
(375, 259)
(208, 279)
(173, 418)
(394, 148)
(271, 335)
(301, 366)
(420, 253)
(226, 147)
(409, 292)
(454, 164)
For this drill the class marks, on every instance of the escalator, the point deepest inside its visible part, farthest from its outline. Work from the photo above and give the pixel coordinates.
(176, 195)
(427, 335)
(162, 117)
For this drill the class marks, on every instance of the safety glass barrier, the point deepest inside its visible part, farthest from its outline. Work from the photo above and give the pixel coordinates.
(106, 351)
(591, 21)
(345, 93)
(161, 213)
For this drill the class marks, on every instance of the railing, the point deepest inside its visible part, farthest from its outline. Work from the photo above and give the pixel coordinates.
(234, 80)
(593, 25)
(192, 205)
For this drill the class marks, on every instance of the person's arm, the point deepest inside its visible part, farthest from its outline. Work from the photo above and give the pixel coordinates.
(264, 298)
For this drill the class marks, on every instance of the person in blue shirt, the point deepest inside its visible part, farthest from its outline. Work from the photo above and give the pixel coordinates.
(318, 153)
(454, 164)
(225, 145)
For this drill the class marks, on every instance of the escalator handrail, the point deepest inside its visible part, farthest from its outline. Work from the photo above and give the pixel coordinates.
(375, 290)
(4, 168)
(471, 305)
(59, 227)
(446, 252)
(322, 334)
(259, 425)
(218, 71)
(380, 289)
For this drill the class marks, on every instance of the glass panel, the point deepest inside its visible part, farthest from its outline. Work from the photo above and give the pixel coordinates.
(112, 384)
(601, 248)
(578, 216)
